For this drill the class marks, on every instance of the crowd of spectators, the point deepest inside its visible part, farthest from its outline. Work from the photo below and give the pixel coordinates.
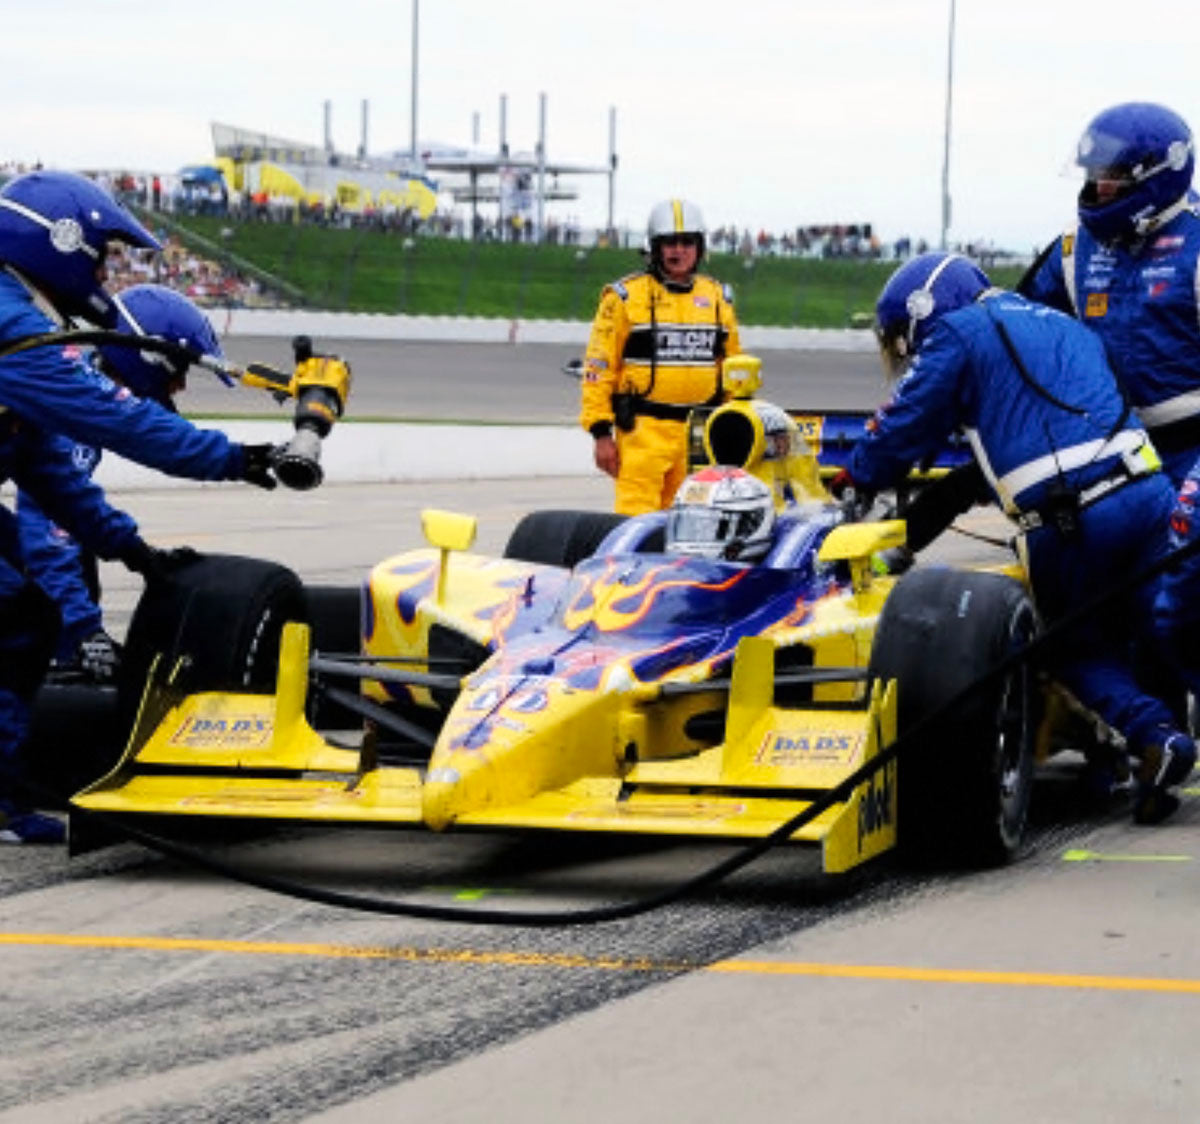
(853, 240)
(208, 283)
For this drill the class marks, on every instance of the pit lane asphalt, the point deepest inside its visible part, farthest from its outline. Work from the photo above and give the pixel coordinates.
(521, 382)
(1019, 993)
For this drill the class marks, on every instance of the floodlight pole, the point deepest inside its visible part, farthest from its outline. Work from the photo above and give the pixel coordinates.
(612, 164)
(540, 230)
(416, 9)
(946, 150)
(500, 171)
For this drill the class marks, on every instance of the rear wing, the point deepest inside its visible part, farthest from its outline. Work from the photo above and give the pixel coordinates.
(833, 435)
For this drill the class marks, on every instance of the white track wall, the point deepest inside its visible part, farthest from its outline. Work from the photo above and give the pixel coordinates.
(358, 452)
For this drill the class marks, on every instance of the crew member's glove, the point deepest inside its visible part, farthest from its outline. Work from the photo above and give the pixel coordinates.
(258, 463)
(842, 482)
(156, 565)
(855, 503)
(99, 657)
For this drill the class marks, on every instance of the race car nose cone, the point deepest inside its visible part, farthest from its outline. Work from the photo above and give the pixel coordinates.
(440, 798)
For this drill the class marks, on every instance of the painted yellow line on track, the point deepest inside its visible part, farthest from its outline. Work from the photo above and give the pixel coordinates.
(892, 972)
(347, 952)
(1127, 857)
(957, 975)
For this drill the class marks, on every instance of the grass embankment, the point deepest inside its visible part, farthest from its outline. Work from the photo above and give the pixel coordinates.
(374, 271)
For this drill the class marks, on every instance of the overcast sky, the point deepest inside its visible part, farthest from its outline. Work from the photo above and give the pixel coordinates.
(766, 114)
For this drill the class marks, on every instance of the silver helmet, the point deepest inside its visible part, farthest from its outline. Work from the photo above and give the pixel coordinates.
(675, 218)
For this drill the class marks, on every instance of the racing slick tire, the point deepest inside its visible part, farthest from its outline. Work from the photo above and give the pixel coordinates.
(225, 612)
(560, 538)
(335, 617)
(74, 738)
(964, 787)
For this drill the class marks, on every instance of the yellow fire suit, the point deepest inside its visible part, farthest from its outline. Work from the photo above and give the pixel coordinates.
(664, 344)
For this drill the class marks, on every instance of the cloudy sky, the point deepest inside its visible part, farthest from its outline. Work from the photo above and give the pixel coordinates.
(767, 113)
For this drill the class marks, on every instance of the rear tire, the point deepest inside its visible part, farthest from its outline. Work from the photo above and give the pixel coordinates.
(335, 616)
(560, 538)
(964, 786)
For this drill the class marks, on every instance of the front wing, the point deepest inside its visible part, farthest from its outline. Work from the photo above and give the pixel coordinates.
(255, 757)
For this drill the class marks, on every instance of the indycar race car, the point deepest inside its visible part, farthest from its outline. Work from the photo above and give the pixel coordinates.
(587, 681)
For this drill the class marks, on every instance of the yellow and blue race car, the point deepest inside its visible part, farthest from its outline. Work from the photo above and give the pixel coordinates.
(587, 681)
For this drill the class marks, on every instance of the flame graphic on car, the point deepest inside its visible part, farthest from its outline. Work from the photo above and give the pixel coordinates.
(613, 605)
(416, 581)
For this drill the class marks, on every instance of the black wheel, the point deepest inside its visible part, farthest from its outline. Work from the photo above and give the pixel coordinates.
(560, 538)
(964, 786)
(74, 738)
(335, 615)
(225, 612)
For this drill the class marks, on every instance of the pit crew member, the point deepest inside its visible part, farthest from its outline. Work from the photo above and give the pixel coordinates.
(1129, 268)
(1064, 458)
(52, 557)
(656, 349)
(55, 228)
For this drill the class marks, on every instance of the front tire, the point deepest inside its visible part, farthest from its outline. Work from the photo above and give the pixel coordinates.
(965, 785)
(225, 613)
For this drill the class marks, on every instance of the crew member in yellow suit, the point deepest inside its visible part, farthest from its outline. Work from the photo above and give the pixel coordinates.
(656, 350)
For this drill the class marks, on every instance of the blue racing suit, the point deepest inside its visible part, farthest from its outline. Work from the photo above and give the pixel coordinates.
(1064, 459)
(1143, 301)
(43, 396)
(60, 566)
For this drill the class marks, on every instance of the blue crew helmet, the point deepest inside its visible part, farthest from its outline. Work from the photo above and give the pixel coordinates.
(55, 228)
(915, 296)
(1138, 159)
(154, 310)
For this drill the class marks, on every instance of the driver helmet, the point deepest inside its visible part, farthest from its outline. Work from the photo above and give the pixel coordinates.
(674, 218)
(55, 228)
(921, 291)
(723, 513)
(154, 310)
(1145, 156)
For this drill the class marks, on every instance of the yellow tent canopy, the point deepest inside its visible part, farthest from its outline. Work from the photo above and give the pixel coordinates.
(410, 193)
(275, 181)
